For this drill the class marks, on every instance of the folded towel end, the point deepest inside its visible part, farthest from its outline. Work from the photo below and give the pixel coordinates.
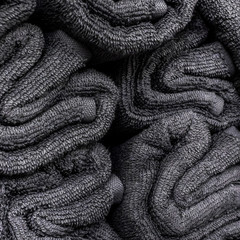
(117, 188)
(233, 131)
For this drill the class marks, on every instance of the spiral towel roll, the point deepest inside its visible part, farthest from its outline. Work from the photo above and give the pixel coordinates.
(118, 27)
(187, 72)
(181, 182)
(68, 199)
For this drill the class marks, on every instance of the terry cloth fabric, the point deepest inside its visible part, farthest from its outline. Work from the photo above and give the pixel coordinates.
(188, 72)
(45, 109)
(118, 27)
(224, 17)
(181, 182)
(176, 63)
(14, 12)
(68, 199)
(55, 181)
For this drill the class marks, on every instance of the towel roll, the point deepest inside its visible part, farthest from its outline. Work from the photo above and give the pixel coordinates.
(14, 12)
(181, 182)
(118, 27)
(224, 17)
(188, 72)
(50, 104)
(67, 199)
(42, 120)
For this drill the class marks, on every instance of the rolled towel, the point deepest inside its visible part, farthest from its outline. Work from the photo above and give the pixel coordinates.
(45, 109)
(224, 17)
(118, 27)
(181, 182)
(187, 72)
(67, 199)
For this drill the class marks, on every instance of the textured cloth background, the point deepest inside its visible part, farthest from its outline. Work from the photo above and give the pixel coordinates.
(188, 72)
(119, 119)
(58, 199)
(56, 181)
(119, 27)
(45, 112)
(224, 16)
(181, 182)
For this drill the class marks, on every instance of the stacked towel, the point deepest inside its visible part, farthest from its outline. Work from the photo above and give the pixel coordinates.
(181, 182)
(174, 168)
(188, 72)
(118, 27)
(68, 199)
(224, 17)
(45, 110)
(55, 179)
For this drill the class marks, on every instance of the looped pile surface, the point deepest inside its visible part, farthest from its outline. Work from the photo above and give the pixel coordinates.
(68, 199)
(224, 16)
(167, 168)
(119, 27)
(188, 72)
(56, 180)
(181, 182)
(45, 109)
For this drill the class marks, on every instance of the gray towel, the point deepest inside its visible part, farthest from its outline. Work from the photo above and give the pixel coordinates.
(45, 109)
(68, 199)
(176, 64)
(14, 12)
(181, 182)
(55, 180)
(224, 17)
(188, 72)
(118, 27)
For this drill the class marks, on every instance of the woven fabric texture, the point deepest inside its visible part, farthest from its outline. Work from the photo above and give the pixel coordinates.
(68, 199)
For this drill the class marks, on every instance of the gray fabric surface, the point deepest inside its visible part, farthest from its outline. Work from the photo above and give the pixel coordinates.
(119, 119)
(55, 179)
(188, 72)
(180, 180)
(44, 109)
(224, 17)
(68, 199)
(119, 27)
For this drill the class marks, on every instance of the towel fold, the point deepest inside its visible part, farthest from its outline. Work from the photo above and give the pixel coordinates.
(47, 108)
(188, 72)
(14, 12)
(56, 181)
(181, 182)
(118, 27)
(176, 64)
(224, 17)
(67, 199)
